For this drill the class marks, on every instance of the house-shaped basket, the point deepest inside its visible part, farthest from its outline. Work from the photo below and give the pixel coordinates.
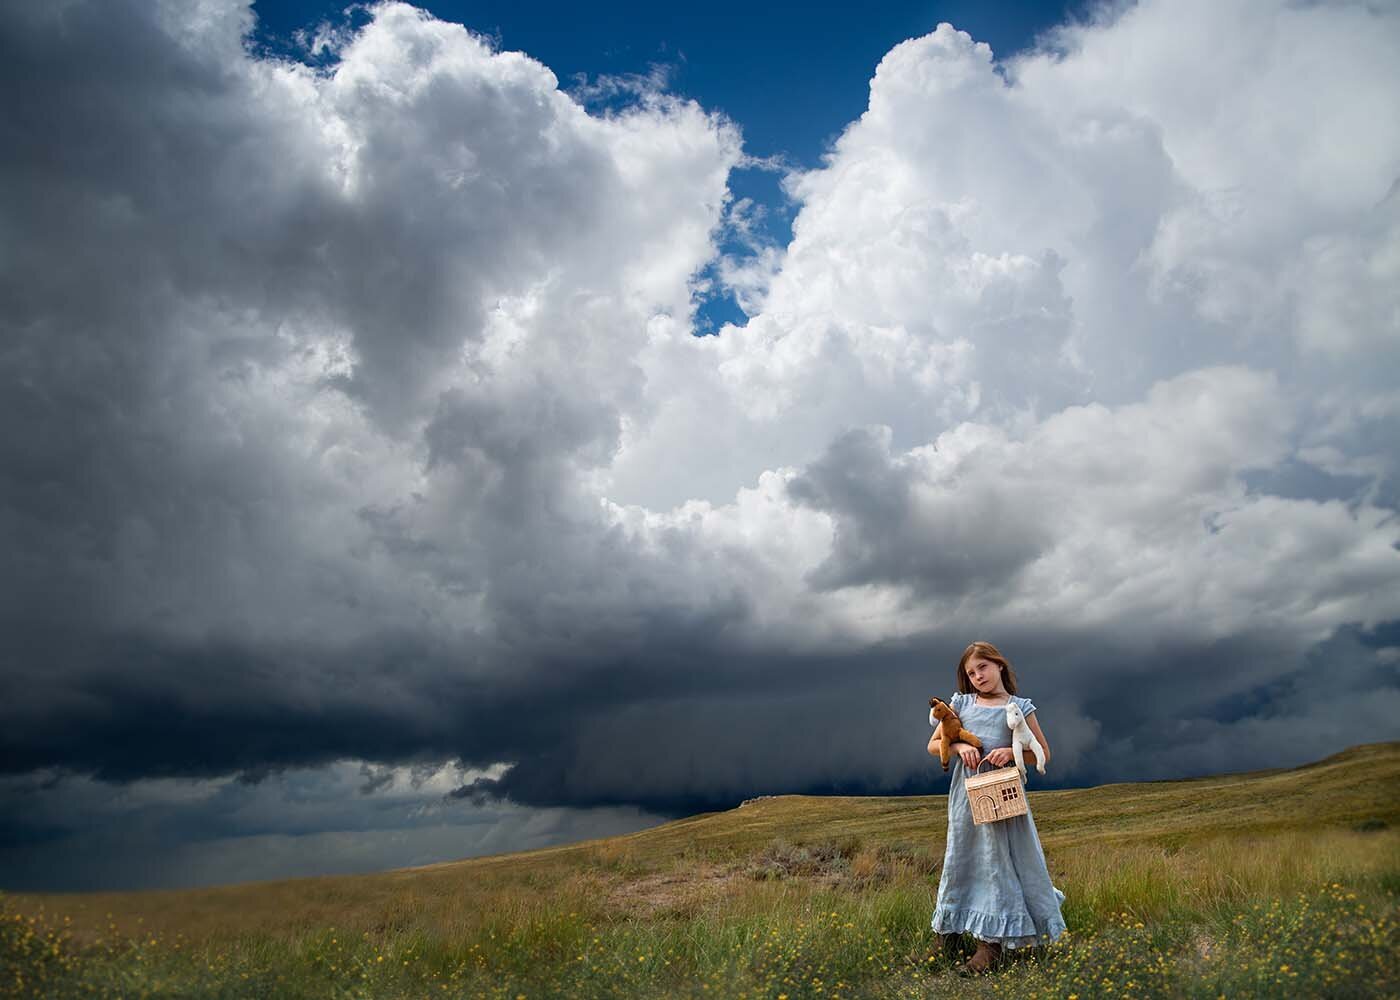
(995, 795)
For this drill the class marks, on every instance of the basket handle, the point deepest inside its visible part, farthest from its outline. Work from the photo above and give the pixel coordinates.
(977, 769)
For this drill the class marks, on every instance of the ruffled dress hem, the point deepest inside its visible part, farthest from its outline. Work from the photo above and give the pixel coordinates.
(1008, 931)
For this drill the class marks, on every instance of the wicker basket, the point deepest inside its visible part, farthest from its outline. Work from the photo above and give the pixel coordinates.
(996, 794)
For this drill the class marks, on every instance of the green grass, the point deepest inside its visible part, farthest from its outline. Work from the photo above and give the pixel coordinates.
(1276, 883)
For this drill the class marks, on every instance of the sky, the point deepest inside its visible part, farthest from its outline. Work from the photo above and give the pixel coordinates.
(427, 433)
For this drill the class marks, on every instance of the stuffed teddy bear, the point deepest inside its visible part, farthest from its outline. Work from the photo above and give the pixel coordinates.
(953, 731)
(1022, 737)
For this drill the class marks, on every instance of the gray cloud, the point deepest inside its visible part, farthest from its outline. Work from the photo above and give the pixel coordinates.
(953, 542)
(91, 835)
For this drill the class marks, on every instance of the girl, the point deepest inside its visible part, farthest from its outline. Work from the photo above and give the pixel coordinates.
(994, 881)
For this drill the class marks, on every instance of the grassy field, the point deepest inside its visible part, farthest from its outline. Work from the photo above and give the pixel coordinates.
(1281, 883)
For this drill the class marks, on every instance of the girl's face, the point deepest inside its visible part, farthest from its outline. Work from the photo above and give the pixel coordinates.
(985, 675)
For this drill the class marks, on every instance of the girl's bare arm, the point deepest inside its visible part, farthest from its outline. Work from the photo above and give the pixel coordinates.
(1004, 755)
(1034, 723)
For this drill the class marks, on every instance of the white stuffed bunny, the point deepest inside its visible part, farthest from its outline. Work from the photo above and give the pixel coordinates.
(1021, 737)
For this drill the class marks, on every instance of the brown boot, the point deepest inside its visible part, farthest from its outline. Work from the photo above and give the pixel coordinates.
(983, 960)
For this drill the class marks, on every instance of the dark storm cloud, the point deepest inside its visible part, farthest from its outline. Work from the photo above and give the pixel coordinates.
(170, 833)
(192, 220)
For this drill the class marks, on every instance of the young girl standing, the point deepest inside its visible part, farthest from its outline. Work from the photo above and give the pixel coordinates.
(994, 883)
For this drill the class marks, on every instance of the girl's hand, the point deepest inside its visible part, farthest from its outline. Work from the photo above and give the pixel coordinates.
(968, 753)
(1001, 756)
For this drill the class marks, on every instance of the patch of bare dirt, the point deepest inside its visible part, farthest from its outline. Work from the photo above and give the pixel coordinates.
(679, 893)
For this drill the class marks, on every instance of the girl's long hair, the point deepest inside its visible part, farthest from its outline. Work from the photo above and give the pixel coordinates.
(988, 652)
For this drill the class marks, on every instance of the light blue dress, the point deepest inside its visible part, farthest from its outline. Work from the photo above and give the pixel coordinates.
(995, 883)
